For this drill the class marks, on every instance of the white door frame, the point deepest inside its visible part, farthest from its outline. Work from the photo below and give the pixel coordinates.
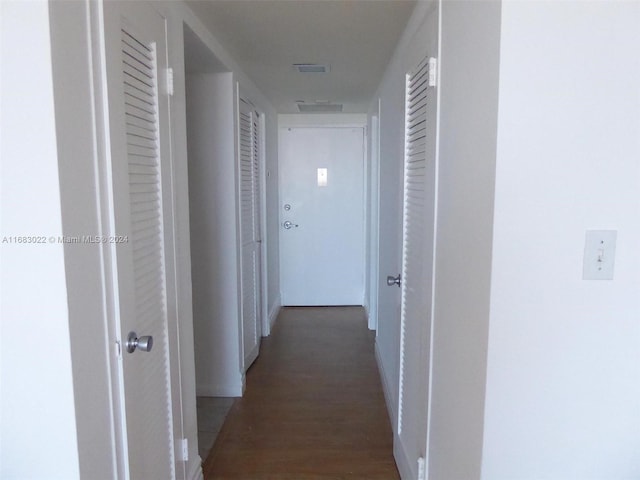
(374, 215)
(264, 306)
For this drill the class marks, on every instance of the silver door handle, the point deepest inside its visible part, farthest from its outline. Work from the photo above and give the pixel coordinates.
(391, 280)
(143, 343)
(288, 225)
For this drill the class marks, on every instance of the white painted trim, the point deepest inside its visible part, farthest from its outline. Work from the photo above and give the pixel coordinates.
(386, 388)
(366, 224)
(427, 457)
(251, 356)
(195, 468)
(264, 259)
(106, 226)
(274, 312)
(221, 389)
(403, 462)
(238, 219)
(374, 223)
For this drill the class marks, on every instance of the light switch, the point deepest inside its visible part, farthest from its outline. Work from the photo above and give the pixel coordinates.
(599, 255)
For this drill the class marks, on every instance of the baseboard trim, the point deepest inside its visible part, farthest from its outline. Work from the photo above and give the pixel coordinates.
(386, 389)
(372, 317)
(251, 357)
(273, 313)
(220, 390)
(367, 312)
(402, 460)
(195, 469)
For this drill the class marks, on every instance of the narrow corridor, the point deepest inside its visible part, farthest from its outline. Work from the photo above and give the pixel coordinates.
(313, 408)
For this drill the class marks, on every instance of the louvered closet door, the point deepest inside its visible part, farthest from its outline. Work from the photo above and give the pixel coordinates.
(417, 261)
(138, 104)
(250, 230)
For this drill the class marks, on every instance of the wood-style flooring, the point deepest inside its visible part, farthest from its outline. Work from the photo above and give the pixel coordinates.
(313, 407)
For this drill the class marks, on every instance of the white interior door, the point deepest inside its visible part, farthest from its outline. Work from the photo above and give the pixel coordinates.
(322, 216)
(136, 60)
(250, 230)
(417, 261)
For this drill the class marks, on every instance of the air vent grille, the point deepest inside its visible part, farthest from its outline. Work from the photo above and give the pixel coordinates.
(311, 68)
(320, 108)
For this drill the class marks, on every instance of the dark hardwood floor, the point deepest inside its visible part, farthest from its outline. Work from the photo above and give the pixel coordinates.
(313, 408)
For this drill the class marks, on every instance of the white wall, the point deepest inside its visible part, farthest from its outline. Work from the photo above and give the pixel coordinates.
(213, 221)
(37, 396)
(563, 381)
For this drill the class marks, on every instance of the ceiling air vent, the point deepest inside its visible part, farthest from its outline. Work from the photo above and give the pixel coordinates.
(311, 68)
(320, 108)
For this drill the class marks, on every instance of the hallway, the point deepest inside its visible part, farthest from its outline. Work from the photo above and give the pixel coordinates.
(313, 408)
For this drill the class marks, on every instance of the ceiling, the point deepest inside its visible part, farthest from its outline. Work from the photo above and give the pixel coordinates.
(266, 37)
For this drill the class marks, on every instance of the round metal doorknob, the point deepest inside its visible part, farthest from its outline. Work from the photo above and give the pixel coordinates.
(289, 225)
(143, 343)
(391, 280)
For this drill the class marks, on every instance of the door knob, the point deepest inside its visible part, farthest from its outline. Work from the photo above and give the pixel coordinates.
(391, 280)
(288, 225)
(143, 343)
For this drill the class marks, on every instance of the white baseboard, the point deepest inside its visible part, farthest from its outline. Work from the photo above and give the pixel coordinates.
(386, 389)
(251, 357)
(274, 311)
(195, 469)
(372, 321)
(403, 462)
(367, 312)
(220, 390)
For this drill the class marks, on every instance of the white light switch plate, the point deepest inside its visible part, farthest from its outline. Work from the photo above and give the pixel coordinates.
(599, 255)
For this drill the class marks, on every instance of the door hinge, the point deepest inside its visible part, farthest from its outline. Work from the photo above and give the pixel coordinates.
(184, 449)
(169, 81)
(433, 72)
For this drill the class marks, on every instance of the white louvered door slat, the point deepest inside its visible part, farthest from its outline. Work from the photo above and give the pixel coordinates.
(249, 158)
(417, 259)
(136, 36)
